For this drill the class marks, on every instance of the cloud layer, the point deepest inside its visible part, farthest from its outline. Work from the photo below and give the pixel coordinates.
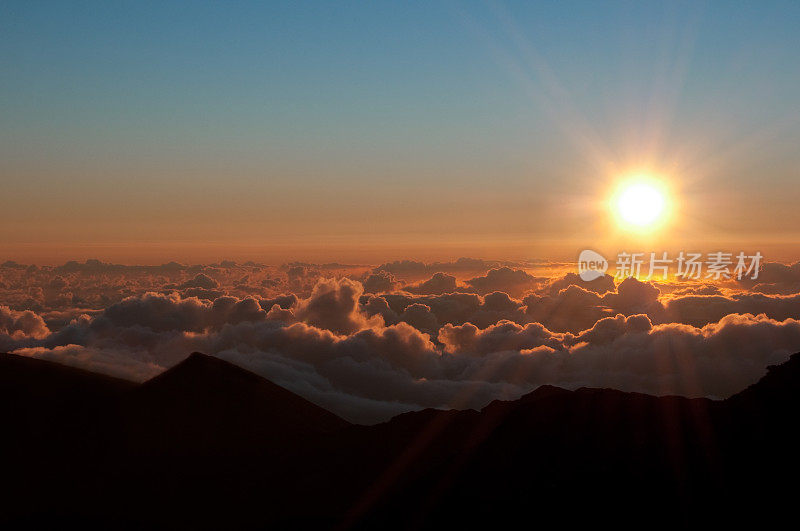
(369, 344)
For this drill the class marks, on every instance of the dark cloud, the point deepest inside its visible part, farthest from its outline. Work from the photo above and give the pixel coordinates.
(699, 310)
(504, 336)
(634, 296)
(22, 324)
(411, 268)
(283, 301)
(775, 278)
(379, 282)
(420, 317)
(200, 280)
(571, 310)
(515, 282)
(599, 285)
(333, 305)
(94, 266)
(703, 289)
(438, 284)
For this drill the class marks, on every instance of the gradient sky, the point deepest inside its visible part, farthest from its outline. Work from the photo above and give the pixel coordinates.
(369, 131)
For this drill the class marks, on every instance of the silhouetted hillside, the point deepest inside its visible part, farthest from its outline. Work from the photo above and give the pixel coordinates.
(210, 444)
(39, 398)
(208, 406)
(779, 387)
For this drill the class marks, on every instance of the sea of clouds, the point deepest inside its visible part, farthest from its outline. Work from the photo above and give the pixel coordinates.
(371, 342)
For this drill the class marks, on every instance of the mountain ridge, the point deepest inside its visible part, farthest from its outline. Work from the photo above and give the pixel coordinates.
(211, 444)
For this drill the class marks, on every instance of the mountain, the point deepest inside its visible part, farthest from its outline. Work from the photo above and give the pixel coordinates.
(44, 382)
(778, 388)
(546, 454)
(205, 405)
(39, 398)
(209, 444)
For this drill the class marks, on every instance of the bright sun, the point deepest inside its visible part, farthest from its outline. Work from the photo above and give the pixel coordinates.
(640, 204)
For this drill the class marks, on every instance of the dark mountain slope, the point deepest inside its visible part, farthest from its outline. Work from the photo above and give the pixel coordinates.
(595, 455)
(546, 452)
(208, 444)
(209, 406)
(44, 382)
(778, 388)
(39, 398)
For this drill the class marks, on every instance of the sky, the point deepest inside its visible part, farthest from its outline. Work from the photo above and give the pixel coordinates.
(292, 187)
(141, 132)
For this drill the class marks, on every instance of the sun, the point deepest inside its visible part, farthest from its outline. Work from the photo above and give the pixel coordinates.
(640, 204)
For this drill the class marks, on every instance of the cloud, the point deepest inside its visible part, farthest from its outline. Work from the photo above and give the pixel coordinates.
(411, 268)
(511, 281)
(438, 284)
(634, 296)
(368, 356)
(448, 308)
(379, 282)
(94, 266)
(571, 310)
(629, 353)
(22, 324)
(609, 329)
(468, 339)
(703, 289)
(420, 317)
(699, 310)
(159, 313)
(283, 301)
(200, 280)
(333, 305)
(599, 285)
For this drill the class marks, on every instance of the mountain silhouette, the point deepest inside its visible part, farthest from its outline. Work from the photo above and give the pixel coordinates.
(206, 405)
(40, 398)
(209, 444)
